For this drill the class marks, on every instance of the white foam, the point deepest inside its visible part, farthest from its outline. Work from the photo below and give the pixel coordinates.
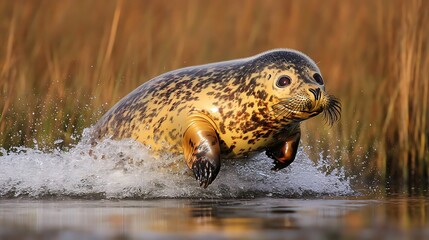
(125, 169)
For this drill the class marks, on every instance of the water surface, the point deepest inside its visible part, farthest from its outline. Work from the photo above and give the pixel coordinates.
(116, 190)
(260, 218)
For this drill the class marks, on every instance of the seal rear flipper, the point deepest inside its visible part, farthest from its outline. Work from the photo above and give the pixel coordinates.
(201, 149)
(284, 152)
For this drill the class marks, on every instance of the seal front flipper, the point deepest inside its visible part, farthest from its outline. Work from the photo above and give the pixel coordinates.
(201, 149)
(285, 151)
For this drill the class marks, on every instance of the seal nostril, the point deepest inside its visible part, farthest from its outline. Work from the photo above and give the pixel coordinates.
(315, 92)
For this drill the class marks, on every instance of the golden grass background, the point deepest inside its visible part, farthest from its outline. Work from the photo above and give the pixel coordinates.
(64, 63)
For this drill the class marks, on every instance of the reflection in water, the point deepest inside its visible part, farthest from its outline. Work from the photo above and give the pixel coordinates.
(393, 218)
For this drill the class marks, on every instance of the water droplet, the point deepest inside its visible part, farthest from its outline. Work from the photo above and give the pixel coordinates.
(123, 169)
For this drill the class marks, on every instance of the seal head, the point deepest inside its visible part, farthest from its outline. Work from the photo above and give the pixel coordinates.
(224, 110)
(298, 87)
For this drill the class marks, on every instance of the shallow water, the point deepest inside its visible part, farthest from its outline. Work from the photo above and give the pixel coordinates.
(260, 218)
(117, 190)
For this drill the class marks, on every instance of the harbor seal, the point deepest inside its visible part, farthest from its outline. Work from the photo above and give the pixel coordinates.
(224, 110)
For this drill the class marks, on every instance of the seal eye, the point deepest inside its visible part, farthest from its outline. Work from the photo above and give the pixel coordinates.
(283, 81)
(318, 78)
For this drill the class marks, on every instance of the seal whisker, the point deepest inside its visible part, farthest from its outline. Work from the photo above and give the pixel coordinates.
(288, 106)
(332, 111)
(284, 108)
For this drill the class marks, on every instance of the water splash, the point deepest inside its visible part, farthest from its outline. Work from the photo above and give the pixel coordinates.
(125, 169)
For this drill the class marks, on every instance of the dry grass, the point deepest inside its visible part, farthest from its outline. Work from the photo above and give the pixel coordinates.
(63, 63)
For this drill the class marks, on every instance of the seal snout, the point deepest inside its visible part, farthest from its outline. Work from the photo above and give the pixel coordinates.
(315, 98)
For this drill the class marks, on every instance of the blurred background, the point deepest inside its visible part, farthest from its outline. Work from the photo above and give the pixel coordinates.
(64, 63)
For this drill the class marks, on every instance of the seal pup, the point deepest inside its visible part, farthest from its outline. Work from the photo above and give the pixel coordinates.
(224, 110)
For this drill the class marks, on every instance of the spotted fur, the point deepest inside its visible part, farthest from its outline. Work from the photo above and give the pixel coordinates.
(239, 99)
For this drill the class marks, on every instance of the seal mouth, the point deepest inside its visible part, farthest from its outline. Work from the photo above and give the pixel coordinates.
(301, 108)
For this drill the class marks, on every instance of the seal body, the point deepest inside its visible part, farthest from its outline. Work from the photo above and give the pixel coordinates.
(225, 109)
